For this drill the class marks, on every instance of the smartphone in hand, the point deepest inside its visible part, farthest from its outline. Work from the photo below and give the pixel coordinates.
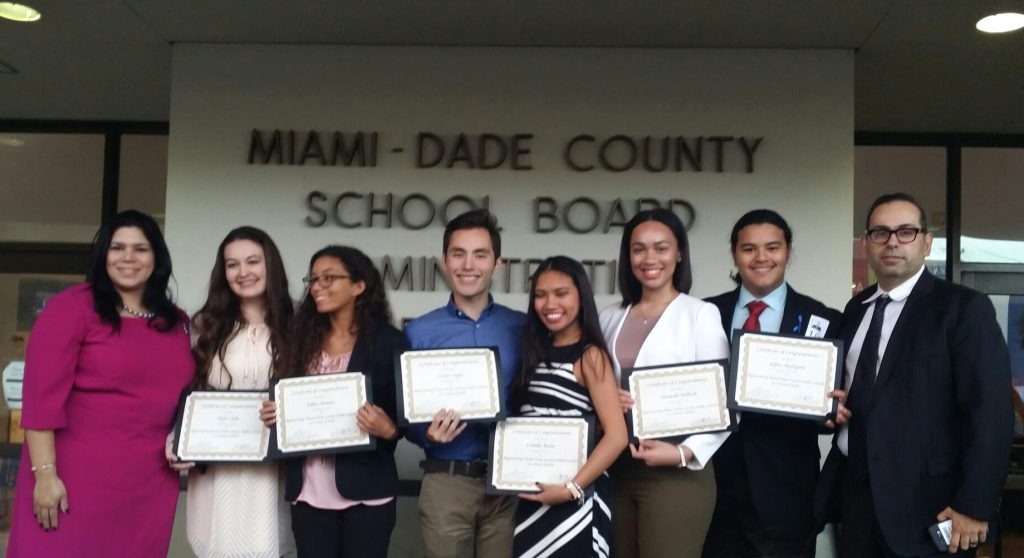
(941, 533)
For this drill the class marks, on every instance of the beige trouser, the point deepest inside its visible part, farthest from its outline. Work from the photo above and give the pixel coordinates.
(459, 521)
(660, 512)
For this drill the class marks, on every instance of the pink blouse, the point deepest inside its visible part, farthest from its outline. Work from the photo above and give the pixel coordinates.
(319, 488)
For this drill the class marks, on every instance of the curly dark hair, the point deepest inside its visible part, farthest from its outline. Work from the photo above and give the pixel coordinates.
(156, 295)
(220, 318)
(309, 328)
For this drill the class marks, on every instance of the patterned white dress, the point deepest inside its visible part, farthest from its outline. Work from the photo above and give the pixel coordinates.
(571, 529)
(237, 510)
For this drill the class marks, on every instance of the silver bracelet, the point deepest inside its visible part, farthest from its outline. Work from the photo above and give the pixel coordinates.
(43, 467)
(575, 491)
(682, 458)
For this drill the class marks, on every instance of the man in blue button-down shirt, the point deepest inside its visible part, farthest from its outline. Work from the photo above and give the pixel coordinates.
(456, 518)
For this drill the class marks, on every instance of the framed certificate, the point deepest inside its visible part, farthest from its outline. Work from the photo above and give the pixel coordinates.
(525, 451)
(467, 380)
(783, 374)
(674, 401)
(221, 427)
(317, 414)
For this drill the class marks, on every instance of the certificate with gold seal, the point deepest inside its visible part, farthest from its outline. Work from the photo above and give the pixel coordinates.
(528, 450)
(221, 427)
(785, 374)
(466, 380)
(677, 400)
(317, 414)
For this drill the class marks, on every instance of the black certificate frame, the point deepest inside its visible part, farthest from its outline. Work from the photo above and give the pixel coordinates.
(180, 419)
(403, 421)
(677, 439)
(491, 489)
(275, 451)
(737, 334)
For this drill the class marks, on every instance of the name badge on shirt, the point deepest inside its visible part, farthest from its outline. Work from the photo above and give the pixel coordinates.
(816, 327)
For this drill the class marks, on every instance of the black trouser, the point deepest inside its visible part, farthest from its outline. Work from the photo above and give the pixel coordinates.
(357, 532)
(736, 531)
(860, 534)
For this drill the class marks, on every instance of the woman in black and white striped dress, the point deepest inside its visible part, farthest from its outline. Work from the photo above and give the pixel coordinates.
(566, 373)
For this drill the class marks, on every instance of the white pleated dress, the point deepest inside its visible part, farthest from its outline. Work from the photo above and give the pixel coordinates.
(238, 511)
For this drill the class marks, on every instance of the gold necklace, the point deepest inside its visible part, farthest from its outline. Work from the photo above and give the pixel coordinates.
(645, 318)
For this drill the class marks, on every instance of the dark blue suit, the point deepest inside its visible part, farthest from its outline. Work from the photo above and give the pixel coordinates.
(939, 426)
(767, 471)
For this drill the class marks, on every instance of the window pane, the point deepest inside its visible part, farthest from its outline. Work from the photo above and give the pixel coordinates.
(993, 195)
(52, 187)
(143, 184)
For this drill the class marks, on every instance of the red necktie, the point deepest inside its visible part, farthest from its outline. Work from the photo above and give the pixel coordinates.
(753, 323)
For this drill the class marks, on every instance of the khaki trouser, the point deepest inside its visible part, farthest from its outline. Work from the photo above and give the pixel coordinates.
(458, 520)
(660, 512)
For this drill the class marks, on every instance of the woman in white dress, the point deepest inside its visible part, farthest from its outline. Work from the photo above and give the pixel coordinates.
(237, 510)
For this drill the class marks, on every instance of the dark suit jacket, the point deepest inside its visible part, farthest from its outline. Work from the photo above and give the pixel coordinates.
(365, 475)
(780, 454)
(941, 418)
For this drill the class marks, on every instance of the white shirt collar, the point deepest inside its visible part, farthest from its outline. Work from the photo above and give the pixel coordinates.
(900, 292)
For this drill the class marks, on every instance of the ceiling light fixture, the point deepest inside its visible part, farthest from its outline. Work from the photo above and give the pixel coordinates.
(11, 142)
(18, 12)
(1001, 23)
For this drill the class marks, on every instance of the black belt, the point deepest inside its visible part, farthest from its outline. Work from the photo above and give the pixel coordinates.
(475, 469)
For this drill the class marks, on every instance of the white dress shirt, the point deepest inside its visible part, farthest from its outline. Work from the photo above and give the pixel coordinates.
(898, 297)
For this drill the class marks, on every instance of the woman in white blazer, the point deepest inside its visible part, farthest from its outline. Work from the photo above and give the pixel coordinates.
(663, 494)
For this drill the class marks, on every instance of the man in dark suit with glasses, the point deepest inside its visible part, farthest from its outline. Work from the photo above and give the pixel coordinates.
(928, 383)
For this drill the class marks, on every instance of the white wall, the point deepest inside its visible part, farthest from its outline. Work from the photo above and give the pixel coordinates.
(801, 102)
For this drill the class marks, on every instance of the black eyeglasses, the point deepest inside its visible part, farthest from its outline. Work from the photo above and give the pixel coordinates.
(324, 280)
(905, 235)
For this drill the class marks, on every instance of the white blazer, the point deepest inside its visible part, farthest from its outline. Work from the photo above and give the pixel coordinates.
(690, 330)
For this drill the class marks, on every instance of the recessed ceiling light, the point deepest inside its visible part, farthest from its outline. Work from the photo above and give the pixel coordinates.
(1001, 23)
(18, 12)
(11, 142)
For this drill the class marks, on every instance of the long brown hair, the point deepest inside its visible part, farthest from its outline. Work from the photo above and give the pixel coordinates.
(220, 318)
(310, 328)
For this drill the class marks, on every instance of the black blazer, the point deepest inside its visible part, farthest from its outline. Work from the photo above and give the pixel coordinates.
(941, 419)
(780, 454)
(365, 475)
